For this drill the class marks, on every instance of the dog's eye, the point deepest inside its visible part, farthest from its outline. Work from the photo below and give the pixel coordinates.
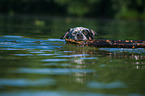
(74, 32)
(91, 33)
(85, 32)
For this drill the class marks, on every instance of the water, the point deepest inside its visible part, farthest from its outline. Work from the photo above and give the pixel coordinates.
(35, 62)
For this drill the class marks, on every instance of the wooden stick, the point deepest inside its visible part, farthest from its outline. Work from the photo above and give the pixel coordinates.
(110, 43)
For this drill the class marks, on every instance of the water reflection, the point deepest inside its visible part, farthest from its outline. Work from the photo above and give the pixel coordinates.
(57, 93)
(23, 55)
(53, 71)
(135, 56)
(100, 85)
(26, 82)
(54, 60)
(59, 68)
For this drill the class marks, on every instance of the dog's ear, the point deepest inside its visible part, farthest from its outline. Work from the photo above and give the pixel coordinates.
(94, 33)
(91, 34)
(66, 34)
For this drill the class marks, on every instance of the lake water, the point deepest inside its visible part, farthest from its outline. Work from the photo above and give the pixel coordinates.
(35, 62)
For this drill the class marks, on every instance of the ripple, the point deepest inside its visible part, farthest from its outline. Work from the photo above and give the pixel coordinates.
(56, 40)
(54, 60)
(68, 51)
(37, 52)
(100, 85)
(55, 93)
(12, 36)
(10, 49)
(23, 54)
(76, 55)
(120, 50)
(28, 43)
(54, 71)
(25, 82)
(47, 54)
(85, 58)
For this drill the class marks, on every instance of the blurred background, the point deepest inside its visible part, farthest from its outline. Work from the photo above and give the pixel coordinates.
(113, 19)
(42, 17)
(124, 9)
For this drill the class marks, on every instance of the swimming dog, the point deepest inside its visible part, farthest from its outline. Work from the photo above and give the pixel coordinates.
(79, 34)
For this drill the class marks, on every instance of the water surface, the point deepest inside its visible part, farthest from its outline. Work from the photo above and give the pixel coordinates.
(36, 64)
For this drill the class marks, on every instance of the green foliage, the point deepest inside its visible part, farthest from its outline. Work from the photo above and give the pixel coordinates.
(62, 2)
(127, 9)
(39, 22)
(130, 9)
(80, 9)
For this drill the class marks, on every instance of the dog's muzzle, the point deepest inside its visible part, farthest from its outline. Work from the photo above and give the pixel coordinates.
(80, 37)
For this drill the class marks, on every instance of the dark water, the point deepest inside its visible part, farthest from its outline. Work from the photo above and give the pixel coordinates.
(35, 62)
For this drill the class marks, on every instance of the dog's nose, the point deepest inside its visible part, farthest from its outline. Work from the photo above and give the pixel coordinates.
(79, 36)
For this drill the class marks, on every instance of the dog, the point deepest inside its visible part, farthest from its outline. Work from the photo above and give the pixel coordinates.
(79, 34)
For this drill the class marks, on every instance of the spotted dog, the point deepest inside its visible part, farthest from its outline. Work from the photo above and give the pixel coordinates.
(79, 34)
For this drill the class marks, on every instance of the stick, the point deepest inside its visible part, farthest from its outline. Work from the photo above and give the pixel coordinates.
(110, 43)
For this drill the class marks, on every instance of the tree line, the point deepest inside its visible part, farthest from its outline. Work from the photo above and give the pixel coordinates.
(126, 9)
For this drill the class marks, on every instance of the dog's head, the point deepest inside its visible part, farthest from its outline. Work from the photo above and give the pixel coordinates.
(79, 34)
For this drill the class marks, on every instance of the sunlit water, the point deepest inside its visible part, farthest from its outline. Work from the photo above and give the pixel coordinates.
(35, 67)
(35, 62)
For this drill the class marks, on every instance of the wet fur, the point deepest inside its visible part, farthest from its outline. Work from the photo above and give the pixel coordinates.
(79, 34)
